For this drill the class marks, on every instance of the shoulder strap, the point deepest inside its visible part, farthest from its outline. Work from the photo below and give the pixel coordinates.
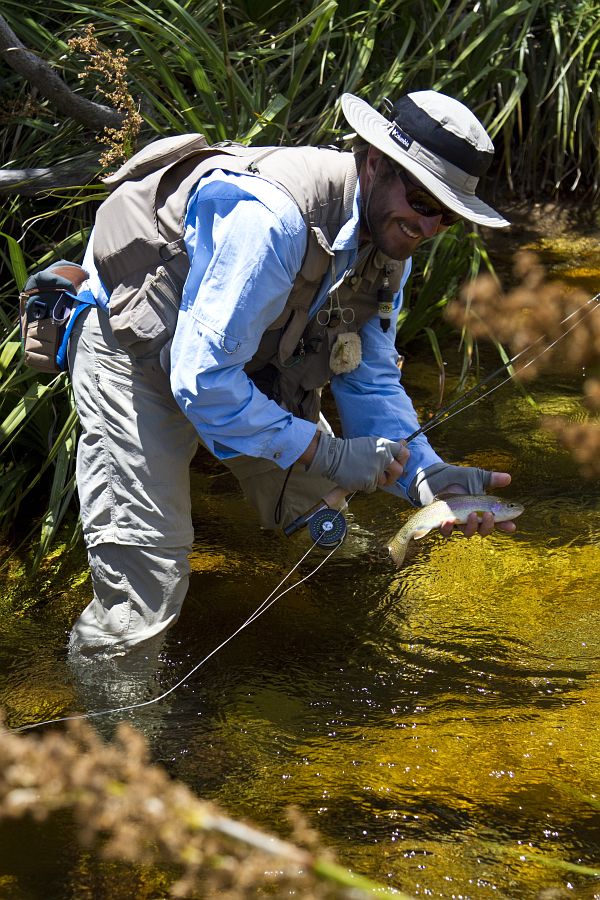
(84, 299)
(157, 155)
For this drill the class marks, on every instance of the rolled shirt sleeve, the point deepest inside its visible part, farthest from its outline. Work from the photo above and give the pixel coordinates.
(246, 240)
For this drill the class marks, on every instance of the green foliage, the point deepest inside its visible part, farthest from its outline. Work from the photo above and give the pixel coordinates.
(272, 72)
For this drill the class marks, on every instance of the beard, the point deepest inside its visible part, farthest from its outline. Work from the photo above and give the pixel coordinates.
(382, 222)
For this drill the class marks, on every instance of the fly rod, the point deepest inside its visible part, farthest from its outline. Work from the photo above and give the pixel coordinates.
(443, 413)
(324, 520)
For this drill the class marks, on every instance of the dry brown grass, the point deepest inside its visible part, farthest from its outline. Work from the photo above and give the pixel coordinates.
(137, 813)
(109, 67)
(549, 327)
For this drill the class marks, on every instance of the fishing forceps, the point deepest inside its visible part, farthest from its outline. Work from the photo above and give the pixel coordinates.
(334, 313)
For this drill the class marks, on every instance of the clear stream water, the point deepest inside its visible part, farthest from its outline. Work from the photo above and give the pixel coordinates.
(436, 724)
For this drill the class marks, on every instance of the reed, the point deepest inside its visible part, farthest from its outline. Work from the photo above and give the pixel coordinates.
(549, 327)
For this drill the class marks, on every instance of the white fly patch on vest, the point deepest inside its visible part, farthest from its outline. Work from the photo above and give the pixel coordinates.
(346, 353)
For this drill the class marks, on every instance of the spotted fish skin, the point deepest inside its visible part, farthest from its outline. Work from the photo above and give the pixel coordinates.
(457, 509)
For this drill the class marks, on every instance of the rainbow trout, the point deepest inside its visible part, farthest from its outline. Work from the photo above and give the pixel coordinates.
(457, 509)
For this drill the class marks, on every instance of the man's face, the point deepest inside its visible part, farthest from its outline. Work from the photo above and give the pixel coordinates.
(387, 218)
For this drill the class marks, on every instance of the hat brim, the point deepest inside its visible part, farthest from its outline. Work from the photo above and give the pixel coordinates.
(375, 129)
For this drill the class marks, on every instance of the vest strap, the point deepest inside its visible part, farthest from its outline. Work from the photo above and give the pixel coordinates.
(84, 299)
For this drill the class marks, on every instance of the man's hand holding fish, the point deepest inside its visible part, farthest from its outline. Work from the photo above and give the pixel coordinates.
(442, 480)
(482, 523)
(453, 496)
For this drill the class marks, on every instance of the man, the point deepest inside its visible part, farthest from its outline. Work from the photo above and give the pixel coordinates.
(297, 262)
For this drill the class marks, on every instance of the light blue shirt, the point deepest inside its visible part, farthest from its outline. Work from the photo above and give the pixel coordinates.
(246, 240)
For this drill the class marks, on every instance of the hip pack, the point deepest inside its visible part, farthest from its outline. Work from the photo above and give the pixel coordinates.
(48, 307)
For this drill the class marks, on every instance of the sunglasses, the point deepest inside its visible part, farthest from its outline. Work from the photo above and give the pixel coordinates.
(422, 201)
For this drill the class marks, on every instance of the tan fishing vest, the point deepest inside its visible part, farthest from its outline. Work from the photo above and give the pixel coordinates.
(140, 256)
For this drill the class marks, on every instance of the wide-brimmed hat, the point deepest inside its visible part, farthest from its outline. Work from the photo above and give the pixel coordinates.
(439, 141)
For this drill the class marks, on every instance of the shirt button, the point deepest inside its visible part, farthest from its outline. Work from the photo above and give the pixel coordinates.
(277, 455)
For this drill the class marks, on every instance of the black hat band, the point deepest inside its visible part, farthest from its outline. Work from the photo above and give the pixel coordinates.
(414, 124)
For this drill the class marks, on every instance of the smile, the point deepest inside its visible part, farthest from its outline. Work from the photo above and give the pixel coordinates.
(414, 235)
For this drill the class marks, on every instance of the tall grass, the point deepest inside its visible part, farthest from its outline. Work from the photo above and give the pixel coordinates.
(266, 72)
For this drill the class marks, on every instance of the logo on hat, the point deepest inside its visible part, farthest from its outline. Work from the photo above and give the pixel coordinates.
(401, 137)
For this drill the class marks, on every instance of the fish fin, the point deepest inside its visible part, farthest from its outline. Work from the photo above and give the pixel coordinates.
(420, 533)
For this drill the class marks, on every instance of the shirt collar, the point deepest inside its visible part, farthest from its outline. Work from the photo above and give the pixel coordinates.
(347, 236)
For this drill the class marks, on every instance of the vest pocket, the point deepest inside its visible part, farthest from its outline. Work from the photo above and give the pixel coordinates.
(143, 318)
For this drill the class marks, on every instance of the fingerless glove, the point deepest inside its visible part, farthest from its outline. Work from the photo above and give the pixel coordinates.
(436, 479)
(353, 463)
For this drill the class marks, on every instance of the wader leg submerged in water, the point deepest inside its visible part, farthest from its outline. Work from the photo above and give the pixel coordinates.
(133, 481)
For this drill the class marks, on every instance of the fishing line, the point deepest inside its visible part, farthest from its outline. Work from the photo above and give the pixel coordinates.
(262, 608)
(443, 415)
(449, 411)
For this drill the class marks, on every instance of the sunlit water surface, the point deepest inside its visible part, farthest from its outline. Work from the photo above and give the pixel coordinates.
(438, 724)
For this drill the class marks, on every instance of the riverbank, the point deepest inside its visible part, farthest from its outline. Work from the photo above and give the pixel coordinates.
(565, 235)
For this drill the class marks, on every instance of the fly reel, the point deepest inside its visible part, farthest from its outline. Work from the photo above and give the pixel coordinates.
(326, 524)
(327, 527)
